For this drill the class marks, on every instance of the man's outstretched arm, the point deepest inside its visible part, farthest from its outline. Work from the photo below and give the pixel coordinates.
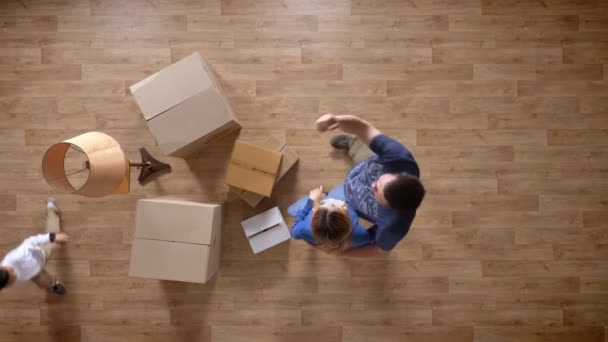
(350, 124)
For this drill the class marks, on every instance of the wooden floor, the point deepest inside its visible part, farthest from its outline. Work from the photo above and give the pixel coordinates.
(503, 102)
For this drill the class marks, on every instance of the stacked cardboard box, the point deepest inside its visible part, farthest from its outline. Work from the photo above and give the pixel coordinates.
(184, 106)
(176, 240)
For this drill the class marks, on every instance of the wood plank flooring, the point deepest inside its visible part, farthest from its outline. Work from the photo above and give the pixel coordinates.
(504, 104)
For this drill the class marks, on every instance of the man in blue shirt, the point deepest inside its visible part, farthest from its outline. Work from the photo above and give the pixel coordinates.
(384, 185)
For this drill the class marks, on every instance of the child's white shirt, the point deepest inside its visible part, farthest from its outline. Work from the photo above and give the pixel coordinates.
(28, 259)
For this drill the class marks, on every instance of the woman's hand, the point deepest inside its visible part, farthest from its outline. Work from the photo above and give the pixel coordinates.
(316, 194)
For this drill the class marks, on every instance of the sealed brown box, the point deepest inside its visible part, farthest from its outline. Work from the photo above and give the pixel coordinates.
(184, 106)
(176, 240)
(290, 158)
(253, 168)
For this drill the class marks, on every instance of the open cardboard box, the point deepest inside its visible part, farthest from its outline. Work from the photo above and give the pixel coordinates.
(266, 230)
(184, 106)
(253, 168)
(290, 158)
(176, 240)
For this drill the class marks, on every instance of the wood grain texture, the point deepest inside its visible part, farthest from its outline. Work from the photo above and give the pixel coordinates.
(504, 103)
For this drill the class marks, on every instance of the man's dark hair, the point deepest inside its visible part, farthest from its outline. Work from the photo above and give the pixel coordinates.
(404, 193)
(4, 277)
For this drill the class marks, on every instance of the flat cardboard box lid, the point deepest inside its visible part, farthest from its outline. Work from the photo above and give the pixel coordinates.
(266, 230)
(176, 220)
(253, 168)
(196, 117)
(171, 86)
(169, 260)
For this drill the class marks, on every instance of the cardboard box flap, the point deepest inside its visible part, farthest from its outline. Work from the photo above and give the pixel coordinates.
(290, 158)
(171, 86)
(269, 238)
(196, 117)
(256, 158)
(169, 260)
(264, 221)
(176, 220)
(212, 77)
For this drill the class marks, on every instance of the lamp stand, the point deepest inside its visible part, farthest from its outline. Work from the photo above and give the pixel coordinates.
(149, 166)
(104, 166)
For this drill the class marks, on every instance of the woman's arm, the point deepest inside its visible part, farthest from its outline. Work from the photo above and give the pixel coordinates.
(300, 221)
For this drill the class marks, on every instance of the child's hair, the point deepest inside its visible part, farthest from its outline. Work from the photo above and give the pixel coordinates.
(4, 277)
(332, 229)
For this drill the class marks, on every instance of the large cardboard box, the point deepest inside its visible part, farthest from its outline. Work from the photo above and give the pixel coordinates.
(184, 106)
(266, 230)
(289, 159)
(176, 240)
(253, 168)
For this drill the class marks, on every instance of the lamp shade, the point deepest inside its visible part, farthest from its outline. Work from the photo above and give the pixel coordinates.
(105, 160)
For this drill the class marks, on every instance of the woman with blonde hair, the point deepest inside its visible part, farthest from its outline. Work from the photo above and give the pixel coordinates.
(328, 223)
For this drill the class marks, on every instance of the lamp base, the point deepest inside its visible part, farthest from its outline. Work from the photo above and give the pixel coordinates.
(149, 166)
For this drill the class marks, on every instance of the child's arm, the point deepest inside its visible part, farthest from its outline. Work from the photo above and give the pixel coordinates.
(39, 240)
(43, 239)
